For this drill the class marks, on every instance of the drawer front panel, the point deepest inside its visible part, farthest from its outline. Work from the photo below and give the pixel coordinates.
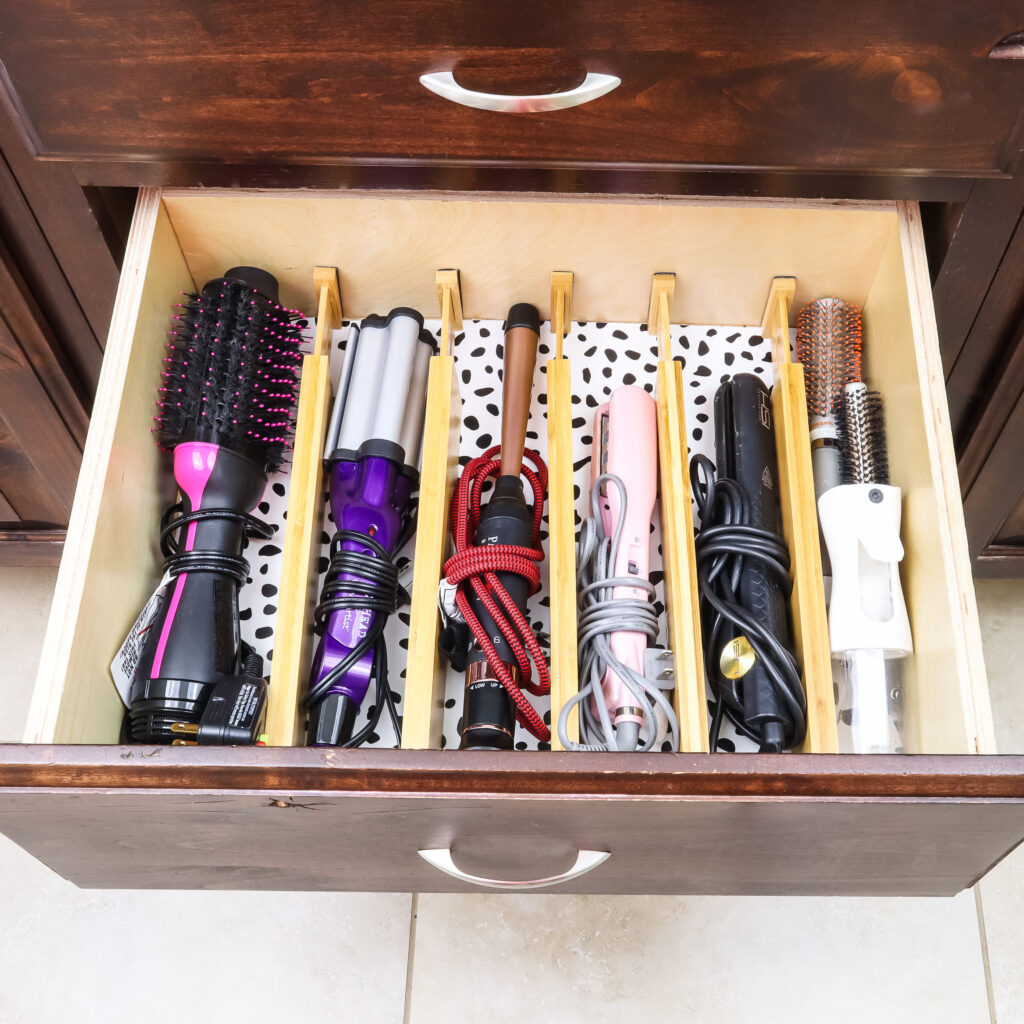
(904, 88)
(327, 841)
(355, 820)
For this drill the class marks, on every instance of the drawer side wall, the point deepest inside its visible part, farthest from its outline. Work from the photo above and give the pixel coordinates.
(945, 692)
(110, 566)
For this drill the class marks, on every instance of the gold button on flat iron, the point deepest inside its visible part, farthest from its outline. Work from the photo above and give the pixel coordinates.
(737, 658)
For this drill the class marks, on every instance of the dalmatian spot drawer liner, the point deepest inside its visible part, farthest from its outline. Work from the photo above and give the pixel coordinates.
(603, 356)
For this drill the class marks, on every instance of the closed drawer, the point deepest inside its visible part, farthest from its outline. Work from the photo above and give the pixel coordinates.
(906, 90)
(293, 818)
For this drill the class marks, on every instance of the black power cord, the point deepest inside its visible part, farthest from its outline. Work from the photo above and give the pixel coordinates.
(727, 541)
(375, 589)
(171, 524)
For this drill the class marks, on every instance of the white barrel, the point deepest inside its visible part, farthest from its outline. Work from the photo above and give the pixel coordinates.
(364, 385)
(393, 394)
(334, 429)
(412, 423)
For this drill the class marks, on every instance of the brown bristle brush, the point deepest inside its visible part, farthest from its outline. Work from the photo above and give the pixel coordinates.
(828, 343)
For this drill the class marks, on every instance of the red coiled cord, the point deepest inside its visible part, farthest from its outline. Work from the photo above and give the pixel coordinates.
(479, 565)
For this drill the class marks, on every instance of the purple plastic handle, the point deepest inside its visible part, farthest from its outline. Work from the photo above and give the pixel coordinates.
(369, 496)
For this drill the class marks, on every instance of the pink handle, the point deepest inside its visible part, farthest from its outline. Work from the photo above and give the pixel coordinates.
(632, 456)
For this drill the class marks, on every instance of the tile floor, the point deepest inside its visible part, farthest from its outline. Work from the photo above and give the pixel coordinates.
(391, 958)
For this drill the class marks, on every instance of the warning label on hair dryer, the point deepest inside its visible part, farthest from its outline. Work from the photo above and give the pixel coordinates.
(126, 661)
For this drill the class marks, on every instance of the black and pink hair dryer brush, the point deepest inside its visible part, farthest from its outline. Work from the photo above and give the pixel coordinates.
(225, 409)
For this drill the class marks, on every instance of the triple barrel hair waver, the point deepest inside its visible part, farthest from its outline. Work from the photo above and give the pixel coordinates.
(373, 446)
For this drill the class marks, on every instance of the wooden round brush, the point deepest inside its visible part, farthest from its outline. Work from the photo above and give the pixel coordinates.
(828, 343)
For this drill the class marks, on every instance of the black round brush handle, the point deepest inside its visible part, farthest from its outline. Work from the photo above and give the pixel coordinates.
(194, 639)
(489, 714)
(254, 277)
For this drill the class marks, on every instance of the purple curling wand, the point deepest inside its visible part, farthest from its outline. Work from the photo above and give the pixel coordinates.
(372, 451)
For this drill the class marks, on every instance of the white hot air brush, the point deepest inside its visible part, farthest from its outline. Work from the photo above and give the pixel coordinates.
(868, 625)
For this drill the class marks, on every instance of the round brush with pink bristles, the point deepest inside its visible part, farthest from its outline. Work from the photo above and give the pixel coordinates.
(226, 411)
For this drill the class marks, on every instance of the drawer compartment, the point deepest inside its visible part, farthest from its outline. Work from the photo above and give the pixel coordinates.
(931, 822)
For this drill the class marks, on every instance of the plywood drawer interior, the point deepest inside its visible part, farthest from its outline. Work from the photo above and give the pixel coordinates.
(387, 249)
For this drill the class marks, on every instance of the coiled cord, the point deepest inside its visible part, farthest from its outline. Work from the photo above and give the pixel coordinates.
(376, 588)
(601, 613)
(725, 541)
(478, 566)
(173, 521)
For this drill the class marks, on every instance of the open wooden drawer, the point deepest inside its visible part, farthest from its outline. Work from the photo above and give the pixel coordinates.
(105, 815)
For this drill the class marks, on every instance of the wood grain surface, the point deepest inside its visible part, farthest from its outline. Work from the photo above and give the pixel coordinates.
(312, 841)
(423, 703)
(293, 626)
(659, 180)
(90, 768)
(141, 816)
(307, 819)
(875, 87)
(800, 523)
(72, 272)
(902, 360)
(993, 505)
(679, 557)
(723, 254)
(42, 419)
(31, 544)
(112, 566)
(562, 569)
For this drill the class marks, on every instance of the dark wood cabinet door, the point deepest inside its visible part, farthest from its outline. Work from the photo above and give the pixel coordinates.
(42, 428)
(57, 284)
(872, 88)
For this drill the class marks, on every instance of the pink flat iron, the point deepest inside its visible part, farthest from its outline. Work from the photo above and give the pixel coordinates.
(626, 437)
(626, 709)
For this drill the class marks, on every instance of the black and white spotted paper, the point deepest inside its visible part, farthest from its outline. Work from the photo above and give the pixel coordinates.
(603, 356)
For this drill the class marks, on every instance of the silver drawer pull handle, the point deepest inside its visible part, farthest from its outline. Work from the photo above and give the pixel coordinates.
(586, 860)
(594, 85)
(1009, 48)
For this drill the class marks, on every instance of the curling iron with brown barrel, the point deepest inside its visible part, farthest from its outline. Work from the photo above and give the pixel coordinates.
(495, 567)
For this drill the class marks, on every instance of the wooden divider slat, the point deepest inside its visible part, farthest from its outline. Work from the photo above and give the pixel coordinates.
(561, 520)
(800, 524)
(561, 549)
(425, 671)
(680, 561)
(293, 629)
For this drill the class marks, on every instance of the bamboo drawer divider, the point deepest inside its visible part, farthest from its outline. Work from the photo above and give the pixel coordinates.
(800, 523)
(294, 624)
(561, 517)
(425, 669)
